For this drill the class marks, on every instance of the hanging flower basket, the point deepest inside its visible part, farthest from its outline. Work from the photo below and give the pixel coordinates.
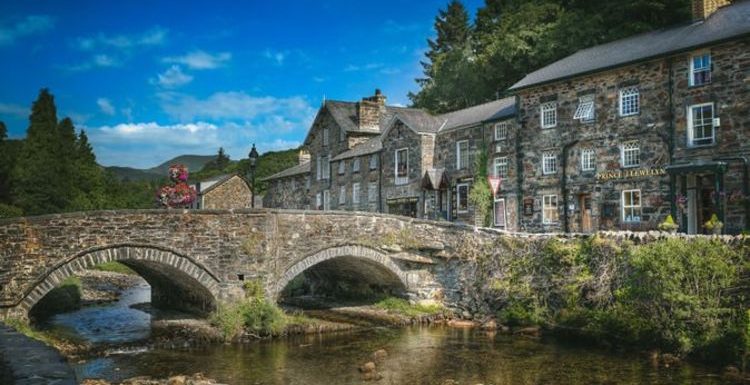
(178, 194)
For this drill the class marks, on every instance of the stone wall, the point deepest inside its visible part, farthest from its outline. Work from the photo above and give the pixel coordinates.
(393, 195)
(233, 193)
(292, 192)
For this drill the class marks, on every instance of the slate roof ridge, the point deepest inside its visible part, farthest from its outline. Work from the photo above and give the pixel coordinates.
(291, 171)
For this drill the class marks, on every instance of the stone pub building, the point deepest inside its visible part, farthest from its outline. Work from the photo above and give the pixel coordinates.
(613, 137)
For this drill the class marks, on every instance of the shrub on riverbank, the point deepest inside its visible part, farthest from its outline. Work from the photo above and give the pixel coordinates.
(115, 267)
(682, 296)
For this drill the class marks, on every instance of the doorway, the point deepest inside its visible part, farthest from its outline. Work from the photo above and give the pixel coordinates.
(584, 202)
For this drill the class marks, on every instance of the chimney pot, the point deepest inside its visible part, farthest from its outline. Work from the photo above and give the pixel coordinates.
(702, 9)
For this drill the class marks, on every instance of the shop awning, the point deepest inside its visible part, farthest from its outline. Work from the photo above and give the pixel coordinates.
(697, 166)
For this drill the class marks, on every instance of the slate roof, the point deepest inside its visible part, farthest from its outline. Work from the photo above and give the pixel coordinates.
(369, 147)
(494, 110)
(291, 171)
(727, 23)
(434, 179)
(419, 120)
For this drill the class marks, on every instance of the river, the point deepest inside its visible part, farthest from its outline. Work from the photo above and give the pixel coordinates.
(416, 355)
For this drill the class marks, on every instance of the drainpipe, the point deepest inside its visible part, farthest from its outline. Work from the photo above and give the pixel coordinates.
(670, 144)
(745, 182)
(519, 167)
(380, 181)
(564, 184)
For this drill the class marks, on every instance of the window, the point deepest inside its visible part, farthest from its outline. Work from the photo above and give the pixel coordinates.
(499, 212)
(326, 200)
(462, 154)
(318, 201)
(373, 161)
(307, 182)
(325, 136)
(588, 160)
(342, 134)
(342, 195)
(548, 115)
(550, 213)
(549, 163)
(501, 167)
(462, 197)
(402, 166)
(700, 69)
(342, 167)
(355, 193)
(501, 131)
(630, 101)
(319, 168)
(323, 167)
(372, 192)
(585, 110)
(631, 154)
(355, 165)
(631, 206)
(701, 125)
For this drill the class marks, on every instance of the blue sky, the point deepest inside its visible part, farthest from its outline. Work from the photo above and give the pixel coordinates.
(150, 80)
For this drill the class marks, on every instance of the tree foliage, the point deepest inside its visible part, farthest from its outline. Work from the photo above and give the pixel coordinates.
(468, 64)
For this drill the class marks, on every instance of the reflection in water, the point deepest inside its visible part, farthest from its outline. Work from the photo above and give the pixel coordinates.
(419, 355)
(415, 356)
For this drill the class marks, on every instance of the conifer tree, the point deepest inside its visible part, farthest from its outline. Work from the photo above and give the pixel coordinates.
(38, 175)
(222, 160)
(4, 166)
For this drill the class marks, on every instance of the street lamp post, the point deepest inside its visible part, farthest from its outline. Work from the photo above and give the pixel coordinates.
(253, 156)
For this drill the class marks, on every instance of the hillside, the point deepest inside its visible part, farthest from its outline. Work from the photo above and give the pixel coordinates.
(193, 162)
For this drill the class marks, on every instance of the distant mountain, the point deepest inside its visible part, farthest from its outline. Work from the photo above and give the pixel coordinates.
(193, 162)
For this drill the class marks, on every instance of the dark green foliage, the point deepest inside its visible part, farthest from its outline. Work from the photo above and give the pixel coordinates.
(680, 296)
(269, 163)
(5, 165)
(219, 163)
(511, 38)
(481, 192)
(64, 298)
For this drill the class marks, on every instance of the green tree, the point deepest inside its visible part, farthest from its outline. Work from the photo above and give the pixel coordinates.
(5, 162)
(449, 68)
(89, 177)
(38, 176)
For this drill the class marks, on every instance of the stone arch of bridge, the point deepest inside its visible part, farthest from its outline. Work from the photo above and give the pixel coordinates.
(364, 254)
(176, 280)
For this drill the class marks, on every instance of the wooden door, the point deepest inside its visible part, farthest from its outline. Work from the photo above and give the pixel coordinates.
(585, 205)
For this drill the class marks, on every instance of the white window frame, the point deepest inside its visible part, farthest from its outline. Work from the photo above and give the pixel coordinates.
(691, 125)
(355, 165)
(462, 163)
(458, 198)
(342, 134)
(494, 213)
(500, 167)
(627, 159)
(399, 180)
(632, 207)
(318, 201)
(501, 131)
(372, 192)
(549, 163)
(586, 110)
(355, 193)
(588, 159)
(630, 101)
(548, 110)
(547, 201)
(325, 136)
(326, 200)
(342, 195)
(694, 71)
(325, 167)
(342, 167)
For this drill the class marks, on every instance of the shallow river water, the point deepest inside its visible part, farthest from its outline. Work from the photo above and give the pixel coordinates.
(418, 355)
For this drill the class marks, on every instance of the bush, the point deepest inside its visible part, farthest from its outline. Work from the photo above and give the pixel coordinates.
(254, 314)
(7, 211)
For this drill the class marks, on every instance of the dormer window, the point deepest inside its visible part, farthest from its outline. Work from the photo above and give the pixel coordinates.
(700, 69)
(585, 110)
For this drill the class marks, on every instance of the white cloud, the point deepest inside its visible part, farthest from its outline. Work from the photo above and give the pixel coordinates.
(30, 25)
(14, 110)
(277, 57)
(234, 105)
(105, 106)
(173, 77)
(96, 61)
(366, 67)
(200, 60)
(153, 37)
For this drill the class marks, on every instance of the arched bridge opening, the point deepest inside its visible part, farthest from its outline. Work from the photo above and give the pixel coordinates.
(177, 281)
(342, 275)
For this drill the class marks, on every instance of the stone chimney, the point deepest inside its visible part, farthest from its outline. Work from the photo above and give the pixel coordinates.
(702, 9)
(303, 156)
(369, 111)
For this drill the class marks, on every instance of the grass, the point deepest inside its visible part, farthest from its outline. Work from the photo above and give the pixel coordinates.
(115, 267)
(402, 306)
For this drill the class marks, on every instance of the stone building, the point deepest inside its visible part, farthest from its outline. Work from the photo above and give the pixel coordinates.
(223, 192)
(619, 135)
(615, 136)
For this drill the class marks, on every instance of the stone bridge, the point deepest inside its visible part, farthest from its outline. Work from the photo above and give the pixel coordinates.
(196, 259)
